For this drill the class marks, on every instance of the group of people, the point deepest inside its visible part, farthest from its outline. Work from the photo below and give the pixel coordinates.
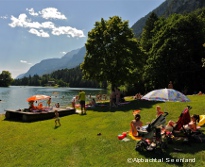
(137, 96)
(40, 107)
(115, 97)
(100, 97)
(195, 122)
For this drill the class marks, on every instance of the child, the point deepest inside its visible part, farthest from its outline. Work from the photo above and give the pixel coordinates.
(57, 119)
(159, 111)
(73, 102)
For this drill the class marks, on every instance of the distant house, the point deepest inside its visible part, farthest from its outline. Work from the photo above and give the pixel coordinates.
(51, 83)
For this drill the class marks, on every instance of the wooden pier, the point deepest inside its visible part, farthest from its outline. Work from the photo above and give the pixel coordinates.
(26, 116)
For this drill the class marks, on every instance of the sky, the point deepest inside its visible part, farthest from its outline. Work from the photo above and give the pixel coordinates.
(34, 30)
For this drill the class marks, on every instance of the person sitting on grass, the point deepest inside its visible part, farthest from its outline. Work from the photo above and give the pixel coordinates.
(135, 125)
(159, 111)
(57, 119)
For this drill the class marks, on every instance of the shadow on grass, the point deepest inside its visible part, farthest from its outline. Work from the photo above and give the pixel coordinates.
(177, 148)
(130, 105)
(164, 157)
(56, 127)
(187, 147)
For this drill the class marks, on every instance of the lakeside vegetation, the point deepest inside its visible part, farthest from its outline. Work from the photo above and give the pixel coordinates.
(77, 144)
(62, 78)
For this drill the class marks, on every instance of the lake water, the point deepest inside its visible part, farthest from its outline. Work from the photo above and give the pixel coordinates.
(14, 97)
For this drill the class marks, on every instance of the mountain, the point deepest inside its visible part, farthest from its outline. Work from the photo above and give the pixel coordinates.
(20, 76)
(49, 65)
(75, 57)
(167, 8)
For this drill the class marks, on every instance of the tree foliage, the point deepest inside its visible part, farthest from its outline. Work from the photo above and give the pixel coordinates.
(147, 32)
(5, 79)
(176, 53)
(62, 78)
(112, 53)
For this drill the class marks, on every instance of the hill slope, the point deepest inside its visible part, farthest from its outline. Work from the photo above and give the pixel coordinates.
(167, 8)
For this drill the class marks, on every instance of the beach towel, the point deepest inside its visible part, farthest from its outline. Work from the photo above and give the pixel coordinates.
(137, 138)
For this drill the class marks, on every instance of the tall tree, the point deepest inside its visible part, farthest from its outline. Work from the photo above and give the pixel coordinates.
(5, 79)
(147, 32)
(112, 53)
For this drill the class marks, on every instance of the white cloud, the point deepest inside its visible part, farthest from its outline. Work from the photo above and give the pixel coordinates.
(31, 12)
(48, 24)
(37, 28)
(67, 30)
(3, 17)
(18, 22)
(23, 21)
(63, 53)
(39, 33)
(25, 62)
(52, 13)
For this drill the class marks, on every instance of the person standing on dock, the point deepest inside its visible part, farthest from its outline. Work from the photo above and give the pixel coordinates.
(73, 101)
(82, 101)
(49, 102)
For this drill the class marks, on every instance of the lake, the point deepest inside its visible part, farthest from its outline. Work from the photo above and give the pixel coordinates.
(14, 97)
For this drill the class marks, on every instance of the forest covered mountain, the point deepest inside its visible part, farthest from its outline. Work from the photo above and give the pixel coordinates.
(167, 8)
(75, 57)
(69, 60)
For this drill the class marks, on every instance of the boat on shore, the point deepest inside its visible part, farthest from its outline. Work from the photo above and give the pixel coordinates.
(29, 116)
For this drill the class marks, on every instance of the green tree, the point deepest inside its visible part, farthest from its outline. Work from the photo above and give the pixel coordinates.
(176, 53)
(112, 53)
(147, 32)
(5, 79)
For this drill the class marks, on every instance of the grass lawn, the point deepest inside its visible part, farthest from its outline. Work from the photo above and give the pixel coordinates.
(76, 143)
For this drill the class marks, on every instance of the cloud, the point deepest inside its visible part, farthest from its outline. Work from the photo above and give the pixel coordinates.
(25, 62)
(52, 13)
(23, 21)
(31, 12)
(18, 22)
(3, 17)
(48, 24)
(67, 30)
(39, 33)
(63, 53)
(37, 28)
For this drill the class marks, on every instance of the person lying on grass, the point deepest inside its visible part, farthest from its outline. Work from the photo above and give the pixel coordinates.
(192, 125)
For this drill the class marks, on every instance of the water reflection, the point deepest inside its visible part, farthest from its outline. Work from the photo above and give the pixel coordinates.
(15, 97)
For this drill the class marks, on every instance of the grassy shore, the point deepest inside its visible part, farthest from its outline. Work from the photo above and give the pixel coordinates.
(76, 143)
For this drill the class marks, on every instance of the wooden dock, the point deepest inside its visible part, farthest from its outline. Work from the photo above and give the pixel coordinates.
(26, 116)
